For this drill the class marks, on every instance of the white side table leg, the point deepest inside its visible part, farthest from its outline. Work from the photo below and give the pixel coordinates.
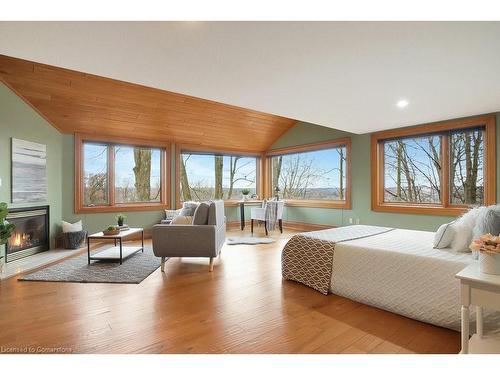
(479, 322)
(465, 329)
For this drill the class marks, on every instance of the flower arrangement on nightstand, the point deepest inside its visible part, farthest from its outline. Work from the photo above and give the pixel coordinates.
(489, 253)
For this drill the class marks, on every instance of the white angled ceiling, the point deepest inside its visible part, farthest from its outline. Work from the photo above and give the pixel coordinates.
(344, 75)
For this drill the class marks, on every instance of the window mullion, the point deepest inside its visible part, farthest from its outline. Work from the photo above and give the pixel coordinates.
(445, 170)
(164, 199)
(381, 172)
(111, 174)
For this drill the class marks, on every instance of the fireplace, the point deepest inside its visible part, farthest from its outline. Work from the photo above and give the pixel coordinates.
(31, 235)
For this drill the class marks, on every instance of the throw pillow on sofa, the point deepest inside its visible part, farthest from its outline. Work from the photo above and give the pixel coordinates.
(182, 220)
(188, 208)
(200, 216)
(171, 214)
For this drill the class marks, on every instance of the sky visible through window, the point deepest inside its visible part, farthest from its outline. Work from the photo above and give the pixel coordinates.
(125, 163)
(413, 168)
(200, 169)
(96, 159)
(413, 164)
(325, 167)
(319, 175)
(125, 187)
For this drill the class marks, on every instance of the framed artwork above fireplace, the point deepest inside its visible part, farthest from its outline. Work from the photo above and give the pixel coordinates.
(29, 171)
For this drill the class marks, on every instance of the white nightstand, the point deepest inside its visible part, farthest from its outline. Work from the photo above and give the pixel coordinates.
(481, 290)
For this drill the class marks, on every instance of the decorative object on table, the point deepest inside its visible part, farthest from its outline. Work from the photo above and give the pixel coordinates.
(29, 171)
(120, 219)
(245, 193)
(489, 253)
(6, 231)
(277, 193)
(111, 231)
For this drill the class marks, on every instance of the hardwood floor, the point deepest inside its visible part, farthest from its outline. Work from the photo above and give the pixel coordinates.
(242, 307)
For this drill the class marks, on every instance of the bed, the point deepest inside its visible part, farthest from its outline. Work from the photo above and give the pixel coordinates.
(393, 269)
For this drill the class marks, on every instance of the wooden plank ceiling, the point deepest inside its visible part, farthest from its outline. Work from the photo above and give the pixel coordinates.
(76, 102)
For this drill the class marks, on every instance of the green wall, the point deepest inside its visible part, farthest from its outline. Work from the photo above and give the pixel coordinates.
(18, 120)
(303, 133)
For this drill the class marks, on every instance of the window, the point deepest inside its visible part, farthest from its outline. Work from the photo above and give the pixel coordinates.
(467, 167)
(311, 175)
(412, 168)
(204, 176)
(95, 167)
(119, 177)
(137, 174)
(435, 169)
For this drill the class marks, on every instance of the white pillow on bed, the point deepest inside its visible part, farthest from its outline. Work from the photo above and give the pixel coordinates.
(464, 229)
(444, 236)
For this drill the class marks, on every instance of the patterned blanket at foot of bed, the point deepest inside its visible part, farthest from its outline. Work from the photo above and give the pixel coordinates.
(308, 257)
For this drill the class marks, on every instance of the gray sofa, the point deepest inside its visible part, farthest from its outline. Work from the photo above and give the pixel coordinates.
(204, 238)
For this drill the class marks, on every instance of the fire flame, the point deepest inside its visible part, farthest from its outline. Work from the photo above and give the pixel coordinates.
(16, 240)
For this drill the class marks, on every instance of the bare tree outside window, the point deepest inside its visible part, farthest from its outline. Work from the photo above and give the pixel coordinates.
(313, 175)
(467, 167)
(137, 174)
(209, 176)
(95, 174)
(413, 170)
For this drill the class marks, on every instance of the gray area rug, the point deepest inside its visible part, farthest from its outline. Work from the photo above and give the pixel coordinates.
(248, 240)
(76, 270)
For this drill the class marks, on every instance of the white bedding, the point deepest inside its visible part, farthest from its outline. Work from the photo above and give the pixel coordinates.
(399, 271)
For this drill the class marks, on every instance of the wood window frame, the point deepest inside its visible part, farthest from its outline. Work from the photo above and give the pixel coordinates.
(112, 206)
(180, 148)
(444, 208)
(317, 203)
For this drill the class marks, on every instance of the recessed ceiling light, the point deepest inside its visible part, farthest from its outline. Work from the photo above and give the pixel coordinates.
(402, 103)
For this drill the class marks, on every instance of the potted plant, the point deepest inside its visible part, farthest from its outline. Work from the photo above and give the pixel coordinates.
(489, 253)
(120, 218)
(6, 230)
(245, 193)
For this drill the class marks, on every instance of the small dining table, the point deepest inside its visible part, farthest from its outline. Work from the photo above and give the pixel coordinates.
(241, 204)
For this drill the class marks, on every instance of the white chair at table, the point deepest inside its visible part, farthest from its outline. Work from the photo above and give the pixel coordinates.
(259, 213)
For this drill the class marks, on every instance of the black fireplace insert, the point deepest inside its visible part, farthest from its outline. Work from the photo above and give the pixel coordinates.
(31, 235)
